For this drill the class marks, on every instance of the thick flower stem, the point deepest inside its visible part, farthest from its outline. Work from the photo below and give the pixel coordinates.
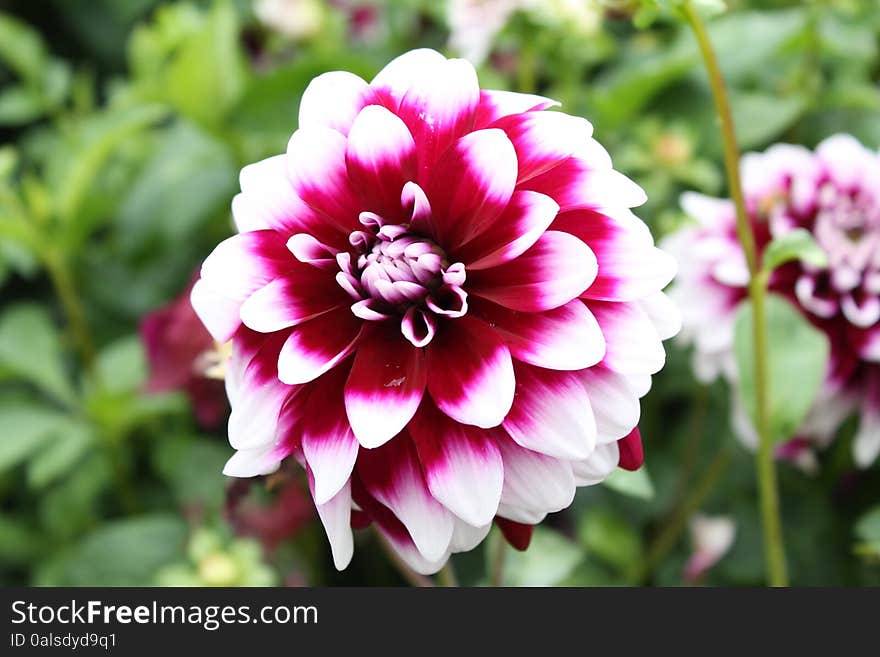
(766, 472)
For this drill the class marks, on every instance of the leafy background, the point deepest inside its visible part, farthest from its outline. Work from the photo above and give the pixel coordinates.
(124, 124)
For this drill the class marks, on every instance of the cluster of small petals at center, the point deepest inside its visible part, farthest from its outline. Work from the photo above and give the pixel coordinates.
(394, 274)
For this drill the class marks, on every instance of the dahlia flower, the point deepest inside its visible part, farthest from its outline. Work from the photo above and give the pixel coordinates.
(440, 304)
(834, 193)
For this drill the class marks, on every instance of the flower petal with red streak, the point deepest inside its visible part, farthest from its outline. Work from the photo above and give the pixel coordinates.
(618, 243)
(385, 386)
(381, 158)
(318, 174)
(565, 338)
(462, 465)
(471, 185)
(316, 346)
(333, 100)
(558, 268)
(471, 370)
(515, 230)
(496, 104)
(391, 474)
(328, 444)
(544, 140)
(551, 414)
(438, 108)
(302, 294)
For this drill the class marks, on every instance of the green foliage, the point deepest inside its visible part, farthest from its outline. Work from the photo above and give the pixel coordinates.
(798, 360)
(795, 245)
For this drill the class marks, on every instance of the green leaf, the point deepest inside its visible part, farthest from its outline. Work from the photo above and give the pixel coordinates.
(797, 244)
(207, 75)
(551, 558)
(632, 483)
(760, 117)
(189, 177)
(19, 543)
(796, 366)
(122, 365)
(26, 427)
(121, 553)
(29, 347)
(94, 143)
(20, 104)
(868, 526)
(60, 454)
(193, 468)
(612, 539)
(21, 47)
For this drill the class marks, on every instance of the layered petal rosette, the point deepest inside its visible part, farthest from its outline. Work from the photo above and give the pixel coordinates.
(834, 193)
(441, 305)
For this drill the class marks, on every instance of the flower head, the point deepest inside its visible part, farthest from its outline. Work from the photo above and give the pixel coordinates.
(440, 304)
(834, 193)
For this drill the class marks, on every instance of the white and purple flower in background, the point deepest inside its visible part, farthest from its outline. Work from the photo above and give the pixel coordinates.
(834, 193)
(441, 305)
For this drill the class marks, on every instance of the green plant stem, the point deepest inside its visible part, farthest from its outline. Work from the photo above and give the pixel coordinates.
(62, 282)
(496, 568)
(766, 473)
(672, 530)
(447, 576)
(412, 577)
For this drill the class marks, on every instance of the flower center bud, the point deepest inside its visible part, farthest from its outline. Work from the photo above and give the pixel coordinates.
(394, 274)
(402, 270)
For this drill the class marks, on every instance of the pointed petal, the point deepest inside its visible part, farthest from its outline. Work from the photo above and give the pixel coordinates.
(303, 293)
(519, 535)
(544, 140)
(317, 171)
(392, 475)
(335, 515)
(497, 104)
(631, 453)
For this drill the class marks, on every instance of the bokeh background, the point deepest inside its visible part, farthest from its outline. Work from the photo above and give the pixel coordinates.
(124, 124)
